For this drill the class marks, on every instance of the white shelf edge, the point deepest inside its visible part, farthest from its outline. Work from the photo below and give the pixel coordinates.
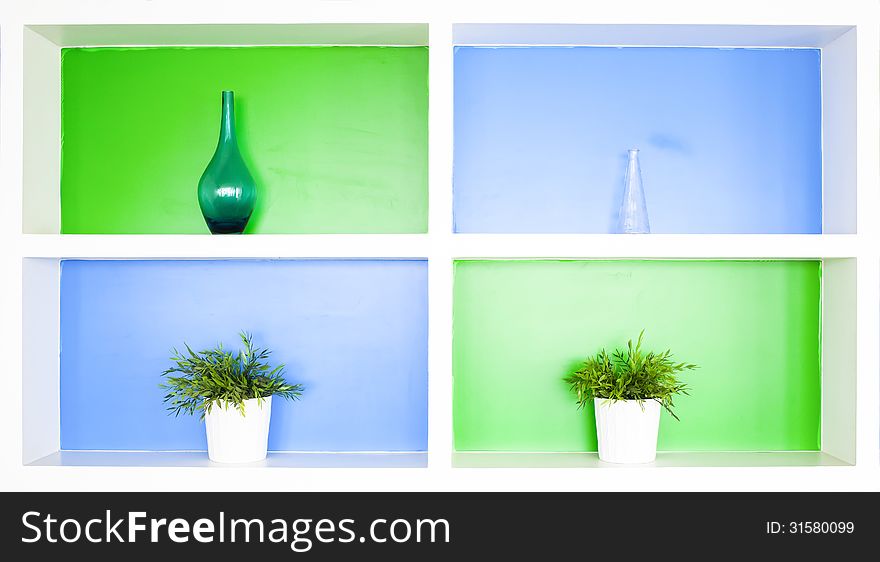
(659, 246)
(199, 459)
(206, 246)
(647, 35)
(240, 34)
(665, 459)
(439, 245)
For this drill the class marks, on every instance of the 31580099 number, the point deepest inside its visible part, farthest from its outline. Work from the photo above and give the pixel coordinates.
(810, 528)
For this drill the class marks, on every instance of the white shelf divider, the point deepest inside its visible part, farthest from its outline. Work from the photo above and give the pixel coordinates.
(41, 339)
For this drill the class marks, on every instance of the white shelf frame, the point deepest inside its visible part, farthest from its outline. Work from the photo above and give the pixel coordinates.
(441, 247)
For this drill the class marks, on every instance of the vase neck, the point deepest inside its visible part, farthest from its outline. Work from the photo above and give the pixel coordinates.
(227, 119)
(633, 173)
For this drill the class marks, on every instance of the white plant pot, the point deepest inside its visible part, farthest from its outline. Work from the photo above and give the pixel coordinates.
(627, 430)
(236, 438)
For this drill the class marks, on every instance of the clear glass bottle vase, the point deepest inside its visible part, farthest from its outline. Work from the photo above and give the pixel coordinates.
(633, 210)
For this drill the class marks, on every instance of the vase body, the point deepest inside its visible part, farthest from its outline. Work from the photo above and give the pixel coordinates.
(627, 430)
(633, 210)
(236, 438)
(227, 192)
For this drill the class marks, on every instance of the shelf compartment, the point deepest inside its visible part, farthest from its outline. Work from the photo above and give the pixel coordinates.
(774, 339)
(354, 332)
(751, 133)
(332, 121)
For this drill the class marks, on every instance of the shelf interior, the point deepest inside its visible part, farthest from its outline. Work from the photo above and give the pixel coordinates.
(730, 140)
(335, 137)
(353, 332)
(752, 327)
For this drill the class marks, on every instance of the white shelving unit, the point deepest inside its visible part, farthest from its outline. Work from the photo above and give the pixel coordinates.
(847, 31)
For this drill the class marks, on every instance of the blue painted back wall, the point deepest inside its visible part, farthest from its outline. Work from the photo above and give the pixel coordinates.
(353, 332)
(730, 139)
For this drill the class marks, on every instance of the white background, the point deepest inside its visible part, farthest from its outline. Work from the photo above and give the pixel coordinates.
(440, 245)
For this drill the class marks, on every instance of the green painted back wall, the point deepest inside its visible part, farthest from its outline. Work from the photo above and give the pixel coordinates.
(752, 327)
(336, 137)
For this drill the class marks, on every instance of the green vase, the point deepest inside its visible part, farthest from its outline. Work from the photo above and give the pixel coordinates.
(227, 191)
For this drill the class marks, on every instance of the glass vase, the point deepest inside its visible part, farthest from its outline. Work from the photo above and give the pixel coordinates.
(633, 211)
(227, 192)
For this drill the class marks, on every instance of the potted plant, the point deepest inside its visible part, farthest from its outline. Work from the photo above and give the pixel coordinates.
(627, 389)
(233, 393)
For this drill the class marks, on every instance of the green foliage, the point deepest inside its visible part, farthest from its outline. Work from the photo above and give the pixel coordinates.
(200, 380)
(629, 375)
